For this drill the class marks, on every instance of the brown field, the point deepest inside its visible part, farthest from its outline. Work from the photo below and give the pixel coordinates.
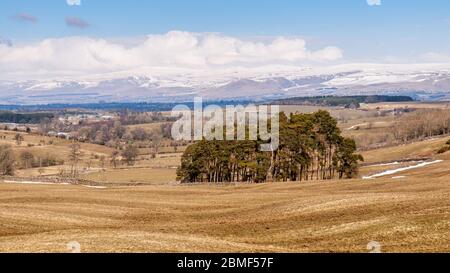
(405, 212)
(422, 149)
(134, 175)
(51, 145)
(149, 127)
(147, 170)
(405, 215)
(411, 105)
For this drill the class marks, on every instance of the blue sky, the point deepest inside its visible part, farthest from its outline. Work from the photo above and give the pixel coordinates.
(395, 28)
(394, 31)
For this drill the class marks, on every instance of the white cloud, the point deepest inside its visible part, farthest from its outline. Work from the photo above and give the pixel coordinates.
(374, 2)
(73, 2)
(435, 57)
(175, 49)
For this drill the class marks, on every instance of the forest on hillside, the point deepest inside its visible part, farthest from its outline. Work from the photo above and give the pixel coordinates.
(24, 118)
(311, 148)
(343, 101)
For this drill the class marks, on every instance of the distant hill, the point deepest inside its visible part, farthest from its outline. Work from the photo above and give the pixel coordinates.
(344, 101)
(424, 82)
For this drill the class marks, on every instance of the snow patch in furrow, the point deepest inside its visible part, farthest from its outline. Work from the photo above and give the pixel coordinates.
(390, 172)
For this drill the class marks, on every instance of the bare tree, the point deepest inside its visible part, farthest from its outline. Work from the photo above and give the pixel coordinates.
(139, 134)
(130, 154)
(41, 171)
(27, 159)
(156, 139)
(7, 160)
(114, 157)
(102, 161)
(74, 158)
(18, 138)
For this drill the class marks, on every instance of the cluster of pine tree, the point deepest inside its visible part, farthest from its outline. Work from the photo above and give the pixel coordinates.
(311, 148)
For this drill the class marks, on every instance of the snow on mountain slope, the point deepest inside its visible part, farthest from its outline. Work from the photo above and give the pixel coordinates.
(425, 81)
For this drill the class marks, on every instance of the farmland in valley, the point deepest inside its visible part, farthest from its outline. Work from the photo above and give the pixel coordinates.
(142, 208)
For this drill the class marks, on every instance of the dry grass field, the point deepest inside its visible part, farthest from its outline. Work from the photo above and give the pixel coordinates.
(134, 175)
(42, 145)
(409, 215)
(147, 127)
(416, 150)
(159, 170)
(411, 105)
(405, 212)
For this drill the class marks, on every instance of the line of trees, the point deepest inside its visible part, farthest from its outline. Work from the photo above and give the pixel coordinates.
(23, 118)
(422, 124)
(311, 148)
(342, 100)
(29, 160)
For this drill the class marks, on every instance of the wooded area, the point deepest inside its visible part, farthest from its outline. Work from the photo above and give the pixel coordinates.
(346, 101)
(311, 147)
(422, 124)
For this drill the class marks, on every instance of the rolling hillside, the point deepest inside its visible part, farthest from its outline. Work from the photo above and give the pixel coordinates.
(406, 214)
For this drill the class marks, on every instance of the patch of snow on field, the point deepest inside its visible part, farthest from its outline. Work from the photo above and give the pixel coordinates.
(398, 177)
(390, 172)
(356, 126)
(95, 187)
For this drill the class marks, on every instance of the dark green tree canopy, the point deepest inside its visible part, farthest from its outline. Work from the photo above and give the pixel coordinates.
(311, 147)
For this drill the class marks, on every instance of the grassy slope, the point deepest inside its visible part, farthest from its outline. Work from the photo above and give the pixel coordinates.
(422, 149)
(134, 175)
(403, 216)
(409, 214)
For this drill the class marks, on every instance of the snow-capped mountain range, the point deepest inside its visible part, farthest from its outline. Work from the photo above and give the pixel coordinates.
(423, 82)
